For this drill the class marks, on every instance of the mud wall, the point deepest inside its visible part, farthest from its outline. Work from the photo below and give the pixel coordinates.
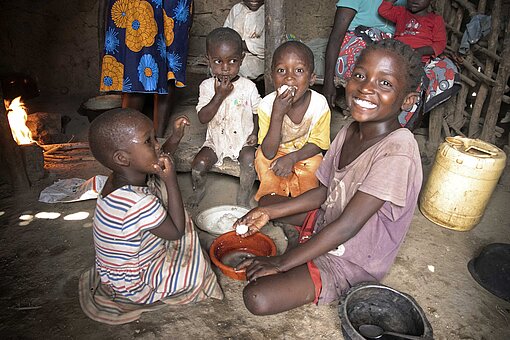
(57, 41)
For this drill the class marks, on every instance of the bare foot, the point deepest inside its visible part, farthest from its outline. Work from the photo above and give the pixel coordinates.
(194, 199)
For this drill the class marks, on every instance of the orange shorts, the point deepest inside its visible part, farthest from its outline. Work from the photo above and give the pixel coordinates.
(304, 235)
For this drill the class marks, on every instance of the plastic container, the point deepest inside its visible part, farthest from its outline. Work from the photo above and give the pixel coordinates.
(463, 177)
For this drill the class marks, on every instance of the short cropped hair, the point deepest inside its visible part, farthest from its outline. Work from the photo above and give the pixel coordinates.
(224, 35)
(300, 47)
(112, 131)
(410, 61)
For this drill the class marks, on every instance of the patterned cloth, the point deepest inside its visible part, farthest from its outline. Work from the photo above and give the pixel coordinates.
(441, 83)
(229, 129)
(314, 128)
(354, 42)
(146, 45)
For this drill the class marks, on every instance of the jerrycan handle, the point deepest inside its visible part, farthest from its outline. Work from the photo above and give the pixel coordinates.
(487, 153)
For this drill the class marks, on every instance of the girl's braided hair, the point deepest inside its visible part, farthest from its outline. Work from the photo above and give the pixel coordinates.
(409, 59)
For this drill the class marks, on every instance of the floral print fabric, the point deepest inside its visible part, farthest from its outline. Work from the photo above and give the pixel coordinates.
(146, 45)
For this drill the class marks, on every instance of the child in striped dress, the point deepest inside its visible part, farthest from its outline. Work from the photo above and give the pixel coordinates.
(145, 252)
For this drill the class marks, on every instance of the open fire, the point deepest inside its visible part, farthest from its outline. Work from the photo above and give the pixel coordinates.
(17, 116)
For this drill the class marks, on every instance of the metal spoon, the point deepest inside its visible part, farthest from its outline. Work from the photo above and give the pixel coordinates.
(375, 332)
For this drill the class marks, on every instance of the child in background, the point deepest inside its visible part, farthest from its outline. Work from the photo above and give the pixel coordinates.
(247, 19)
(294, 125)
(422, 30)
(144, 252)
(227, 103)
(356, 220)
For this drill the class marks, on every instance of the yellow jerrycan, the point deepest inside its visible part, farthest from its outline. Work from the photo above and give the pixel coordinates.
(463, 177)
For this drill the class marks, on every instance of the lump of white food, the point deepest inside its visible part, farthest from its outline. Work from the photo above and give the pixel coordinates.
(284, 87)
(242, 229)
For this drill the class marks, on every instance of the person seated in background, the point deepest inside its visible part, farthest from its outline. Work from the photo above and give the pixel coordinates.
(247, 19)
(416, 26)
(425, 32)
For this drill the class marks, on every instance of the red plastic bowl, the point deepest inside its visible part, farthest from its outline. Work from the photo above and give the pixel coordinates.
(257, 244)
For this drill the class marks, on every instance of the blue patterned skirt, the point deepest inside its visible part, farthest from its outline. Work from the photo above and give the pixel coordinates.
(146, 45)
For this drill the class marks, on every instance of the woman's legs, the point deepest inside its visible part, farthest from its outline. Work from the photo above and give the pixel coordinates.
(163, 106)
(133, 101)
(202, 163)
(247, 177)
(280, 292)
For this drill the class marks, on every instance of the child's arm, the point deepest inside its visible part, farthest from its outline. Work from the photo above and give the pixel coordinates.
(255, 44)
(343, 18)
(281, 106)
(222, 88)
(172, 142)
(284, 165)
(258, 217)
(389, 11)
(318, 140)
(438, 39)
(172, 228)
(438, 36)
(358, 211)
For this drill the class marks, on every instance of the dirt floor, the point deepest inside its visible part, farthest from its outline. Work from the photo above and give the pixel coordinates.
(42, 259)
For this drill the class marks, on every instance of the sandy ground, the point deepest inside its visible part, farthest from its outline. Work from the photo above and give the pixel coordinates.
(41, 261)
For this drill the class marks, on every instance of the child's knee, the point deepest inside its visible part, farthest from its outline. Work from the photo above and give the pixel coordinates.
(201, 164)
(255, 301)
(247, 157)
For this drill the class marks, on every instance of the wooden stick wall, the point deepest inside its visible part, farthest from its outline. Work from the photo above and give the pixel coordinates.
(484, 70)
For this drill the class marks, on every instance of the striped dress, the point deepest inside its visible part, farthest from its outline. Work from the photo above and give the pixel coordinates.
(140, 266)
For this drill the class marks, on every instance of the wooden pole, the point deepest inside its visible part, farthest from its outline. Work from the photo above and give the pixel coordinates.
(12, 155)
(491, 117)
(275, 33)
(489, 67)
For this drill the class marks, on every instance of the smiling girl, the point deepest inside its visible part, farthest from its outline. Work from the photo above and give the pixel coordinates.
(354, 223)
(294, 125)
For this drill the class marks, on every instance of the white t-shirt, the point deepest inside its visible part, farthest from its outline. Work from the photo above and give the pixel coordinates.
(250, 26)
(229, 129)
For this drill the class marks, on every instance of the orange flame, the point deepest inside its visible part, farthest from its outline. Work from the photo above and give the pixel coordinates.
(17, 117)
